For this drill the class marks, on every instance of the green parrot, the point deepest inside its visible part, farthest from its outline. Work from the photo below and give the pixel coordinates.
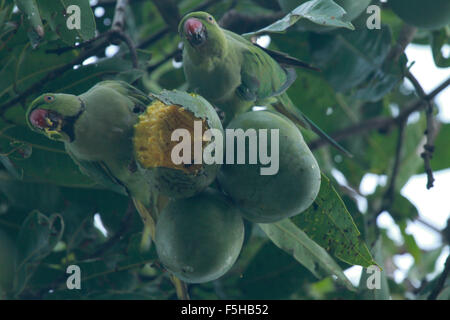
(97, 129)
(235, 74)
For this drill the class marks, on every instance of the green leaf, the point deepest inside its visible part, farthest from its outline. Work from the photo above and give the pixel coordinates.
(348, 58)
(56, 14)
(30, 196)
(33, 18)
(403, 209)
(426, 265)
(272, 274)
(290, 238)
(439, 40)
(322, 12)
(48, 162)
(441, 156)
(37, 237)
(329, 223)
(382, 81)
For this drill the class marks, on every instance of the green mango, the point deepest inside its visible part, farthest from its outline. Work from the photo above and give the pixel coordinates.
(271, 197)
(423, 14)
(353, 8)
(199, 239)
(154, 147)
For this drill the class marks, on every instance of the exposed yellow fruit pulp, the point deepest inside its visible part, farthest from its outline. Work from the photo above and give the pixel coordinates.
(153, 132)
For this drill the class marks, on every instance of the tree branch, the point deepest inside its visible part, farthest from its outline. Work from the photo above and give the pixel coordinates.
(427, 154)
(380, 122)
(240, 22)
(52, 75)
(117, 33)
(104, 39)
(405, 37)
(119, 15)
(441, 281)
(169, 12)
(389, 196)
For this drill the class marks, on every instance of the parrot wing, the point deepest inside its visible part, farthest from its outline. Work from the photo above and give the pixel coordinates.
(140, 99)
(286, 107)
(286, 60)
(99, 172)
(262, 77)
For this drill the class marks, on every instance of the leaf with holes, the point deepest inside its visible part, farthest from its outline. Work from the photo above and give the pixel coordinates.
(329, 223)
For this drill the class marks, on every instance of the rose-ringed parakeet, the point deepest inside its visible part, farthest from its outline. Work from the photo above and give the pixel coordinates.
(234, 74)
(97, 130)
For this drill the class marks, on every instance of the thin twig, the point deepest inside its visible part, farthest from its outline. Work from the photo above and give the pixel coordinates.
(104, 40)
(427, 154)
(389, 195)
(117, 33)
(240, 22)
(170, 56)
(405, 37)
(52, 75)
(119, 15)
(380, 122)
(133, 53)
(429, 225)
(441, 281)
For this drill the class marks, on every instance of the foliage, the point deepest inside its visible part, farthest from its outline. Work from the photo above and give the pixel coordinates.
(48, 207)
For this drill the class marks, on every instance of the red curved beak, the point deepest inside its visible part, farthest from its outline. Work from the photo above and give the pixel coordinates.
(38, 118)
(195, 31)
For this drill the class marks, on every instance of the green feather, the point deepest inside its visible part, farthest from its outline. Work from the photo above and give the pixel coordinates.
(97, 129)
(234, 74)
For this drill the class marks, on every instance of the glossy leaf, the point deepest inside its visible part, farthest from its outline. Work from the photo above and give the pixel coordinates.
(322, 12)
(348, 58)
(329, 223)
(287, 236)
(63, 17)
(37, 237)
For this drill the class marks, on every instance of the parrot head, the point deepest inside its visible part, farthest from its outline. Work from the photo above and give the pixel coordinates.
(54, 115)
(199, 30)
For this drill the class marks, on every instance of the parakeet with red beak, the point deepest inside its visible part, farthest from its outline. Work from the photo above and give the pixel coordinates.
(234, 74)
(96, 128)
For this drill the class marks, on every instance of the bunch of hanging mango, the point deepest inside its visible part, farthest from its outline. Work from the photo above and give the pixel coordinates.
(193, 210)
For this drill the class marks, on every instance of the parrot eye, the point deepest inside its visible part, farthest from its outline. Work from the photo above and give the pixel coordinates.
(49, 98)
(210, 19)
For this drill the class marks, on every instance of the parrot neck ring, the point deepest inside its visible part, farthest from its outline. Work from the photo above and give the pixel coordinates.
(195, 32)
